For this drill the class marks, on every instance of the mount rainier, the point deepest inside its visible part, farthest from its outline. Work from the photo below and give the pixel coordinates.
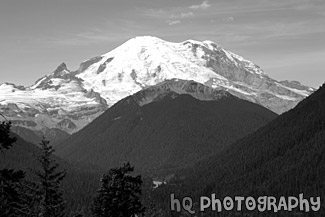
(67, 100)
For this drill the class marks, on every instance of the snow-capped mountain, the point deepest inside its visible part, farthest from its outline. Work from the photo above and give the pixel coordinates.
(145, 61)
(57, 101)
(160, 128)
(69, 100)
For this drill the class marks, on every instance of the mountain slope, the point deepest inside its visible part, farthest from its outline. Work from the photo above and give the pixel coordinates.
(78, 187)
(34, 136)
(286, 157)
(146, 61)
(69, 100)
(59, 103)
(164, 131)
(20, 156)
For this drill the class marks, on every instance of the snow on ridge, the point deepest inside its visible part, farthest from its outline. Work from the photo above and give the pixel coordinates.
(303, 93)
(145, 53)
(249, 64)
(150, 60)
(139, 63)
(286, 97)
(38, 83)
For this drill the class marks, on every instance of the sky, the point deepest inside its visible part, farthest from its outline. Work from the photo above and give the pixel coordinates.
(286, 38)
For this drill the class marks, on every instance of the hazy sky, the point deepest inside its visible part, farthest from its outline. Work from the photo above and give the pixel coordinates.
(286, 38)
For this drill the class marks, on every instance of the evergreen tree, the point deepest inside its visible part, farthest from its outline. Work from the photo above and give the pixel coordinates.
(15, 197)
(51, 203)
(29, 199)
(6, 140)
(119, 195)
(9, 192)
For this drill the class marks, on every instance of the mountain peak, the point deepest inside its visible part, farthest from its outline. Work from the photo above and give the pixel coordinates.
(143, 41)
(54, 79)
(147, 37)
(145, 61)
(60, 68)
(201, 69)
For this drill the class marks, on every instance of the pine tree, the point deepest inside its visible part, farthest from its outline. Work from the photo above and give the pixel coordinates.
(10, 203)
(119, 195)
(15, 199)
(6, 140)
(51, 203)
(29, 199)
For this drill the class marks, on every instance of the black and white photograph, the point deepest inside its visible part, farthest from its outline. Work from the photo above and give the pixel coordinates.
(162, 108)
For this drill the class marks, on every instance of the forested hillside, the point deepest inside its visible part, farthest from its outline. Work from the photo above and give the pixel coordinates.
(79, 185)
(169, 133)
(284, 158)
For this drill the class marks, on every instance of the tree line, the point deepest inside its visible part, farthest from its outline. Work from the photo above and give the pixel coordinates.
(42, 196)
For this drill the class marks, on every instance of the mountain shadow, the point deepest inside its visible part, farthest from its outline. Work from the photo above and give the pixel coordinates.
(284, 158)
(172, 131)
